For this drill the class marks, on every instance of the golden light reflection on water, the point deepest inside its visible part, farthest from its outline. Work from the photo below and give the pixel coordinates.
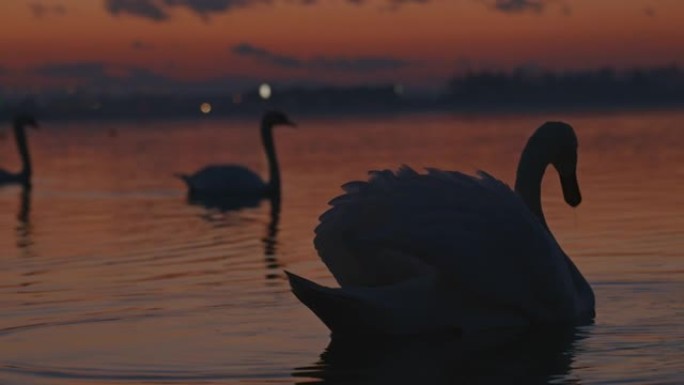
(107, 273)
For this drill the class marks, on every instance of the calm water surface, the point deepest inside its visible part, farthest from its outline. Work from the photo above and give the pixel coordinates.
(108, 275)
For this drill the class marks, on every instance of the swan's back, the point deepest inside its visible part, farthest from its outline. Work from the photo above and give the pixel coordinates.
(225, 179)
(7, 177)
(474, 232)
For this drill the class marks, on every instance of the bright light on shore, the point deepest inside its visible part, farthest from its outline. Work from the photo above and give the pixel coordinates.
(265, 91)
(205, 107)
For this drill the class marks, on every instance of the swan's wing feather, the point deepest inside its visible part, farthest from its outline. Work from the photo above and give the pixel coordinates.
(474, 230)
(354, 186)
(6, 176)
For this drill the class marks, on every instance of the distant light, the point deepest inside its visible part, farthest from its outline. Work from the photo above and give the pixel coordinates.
(237, 98)
(205, 107)
(265, 91)
(398, 89)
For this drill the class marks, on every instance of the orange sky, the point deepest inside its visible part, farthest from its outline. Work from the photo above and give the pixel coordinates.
(430, 40)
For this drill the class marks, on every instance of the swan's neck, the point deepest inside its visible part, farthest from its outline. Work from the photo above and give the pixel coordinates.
(22, 146)
(273, 170)
(529, 177)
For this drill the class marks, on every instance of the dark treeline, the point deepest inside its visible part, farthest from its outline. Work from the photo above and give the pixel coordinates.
(521, 89)
(327, 99)
(605, 86)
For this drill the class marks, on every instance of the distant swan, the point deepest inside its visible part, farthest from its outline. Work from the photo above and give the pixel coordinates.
(23, 177)
(238, 181)
(446, 251)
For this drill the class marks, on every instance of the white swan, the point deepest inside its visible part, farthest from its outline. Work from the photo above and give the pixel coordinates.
(23, 177)
(417, 253)
(235, 180)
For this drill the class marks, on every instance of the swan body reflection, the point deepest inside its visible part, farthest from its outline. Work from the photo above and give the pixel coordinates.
(533, 357)
(417, 253)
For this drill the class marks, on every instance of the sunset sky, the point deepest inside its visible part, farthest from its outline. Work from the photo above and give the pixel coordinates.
(233, 43)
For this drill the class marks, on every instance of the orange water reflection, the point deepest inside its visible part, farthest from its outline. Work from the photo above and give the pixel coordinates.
(106, 272)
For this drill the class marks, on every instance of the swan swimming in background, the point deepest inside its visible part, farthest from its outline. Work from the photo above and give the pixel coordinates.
(238, 181)
(445, 251)
(23, 177)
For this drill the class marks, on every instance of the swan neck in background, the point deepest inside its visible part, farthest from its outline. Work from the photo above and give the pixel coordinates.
(529, 176)
(269, 148)
(22, 146)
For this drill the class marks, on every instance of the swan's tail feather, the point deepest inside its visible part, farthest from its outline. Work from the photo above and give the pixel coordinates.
(417, 305)
(338, 310)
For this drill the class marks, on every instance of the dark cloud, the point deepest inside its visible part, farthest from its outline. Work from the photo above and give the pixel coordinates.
(517, 6)
(402, 2)
(526, 6)
(160, 10)
(141, 45)
(399, 3)
(205, 7)
(149, 9)
(342, 64)
(387, 3)
(263, 55)
(71, 70)
(40, 10)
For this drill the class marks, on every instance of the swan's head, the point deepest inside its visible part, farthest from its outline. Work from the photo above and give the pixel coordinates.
(25, 120)
(560, 142)
(277, 118)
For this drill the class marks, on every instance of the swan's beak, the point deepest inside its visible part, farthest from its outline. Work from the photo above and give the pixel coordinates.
(571, 191)
(290, 123)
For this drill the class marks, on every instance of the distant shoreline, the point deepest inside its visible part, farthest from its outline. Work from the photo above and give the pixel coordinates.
(397, 110)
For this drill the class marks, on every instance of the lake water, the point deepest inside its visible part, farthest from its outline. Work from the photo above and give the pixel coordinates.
(108, 275)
